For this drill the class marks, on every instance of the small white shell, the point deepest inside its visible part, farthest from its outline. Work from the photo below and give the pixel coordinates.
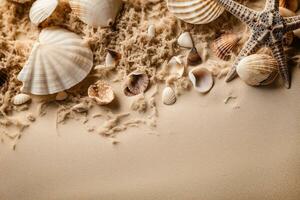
(168, 96)
(151, 31)
(185, 40)
(195, 11)
(96, 12)
(61, 96)
(21, 99)
(176, 66)
(258, 69)
(202, 79)
(41, 10)
(101, 92)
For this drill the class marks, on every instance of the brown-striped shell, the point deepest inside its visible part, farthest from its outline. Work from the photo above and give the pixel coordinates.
(136, 83)
(224, 45)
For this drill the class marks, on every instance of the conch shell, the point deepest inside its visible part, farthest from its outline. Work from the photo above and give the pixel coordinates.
(101, 92)
(224, 45)
(202, 79)
(136, 83)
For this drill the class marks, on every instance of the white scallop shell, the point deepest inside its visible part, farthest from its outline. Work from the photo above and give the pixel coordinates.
(168, 96)
(195, 11)
(59, 60)
(96, 12)
(41, 10)
(202, 79)
(20, 99)
(185, 40)
(258, 69)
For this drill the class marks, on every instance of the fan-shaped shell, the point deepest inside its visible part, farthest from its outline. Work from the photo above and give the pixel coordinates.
(258, 69)
(41, 10)
(59, 60)
(20, 99)
(136, 83)
(195, 11)
(224, 45)
(96, 12)
(202, 79)
(101, 92)
(168, 96)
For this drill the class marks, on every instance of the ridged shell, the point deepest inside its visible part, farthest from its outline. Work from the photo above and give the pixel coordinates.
(176, 66)
(96, 12)
(41, 10)
(168, 96)
(101, 92)
(195, 11)
(289, 4)
(136, 83)
(202, 79)
(258, 69)
(224, 45)
(20, 99)
(59, 60)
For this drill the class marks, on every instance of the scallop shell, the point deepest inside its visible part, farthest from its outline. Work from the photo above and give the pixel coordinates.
(59, 60)
(202, 79)
(176, 66)
(20, 99)
(96, 12)
(168, 96)
(101, 92)
(185, 40)
(41, 10)
(258, 69)
(195, 11)
(136, 83)
(224, 45)
(289, 4)
(193, 57)
(61, 96)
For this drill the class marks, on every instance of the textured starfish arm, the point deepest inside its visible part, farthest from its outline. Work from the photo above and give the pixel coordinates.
(292, 23)
(272, 4)
(238, 10)
(251, 46)
(278, 53)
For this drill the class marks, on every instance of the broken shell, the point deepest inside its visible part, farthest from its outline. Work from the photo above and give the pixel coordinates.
(202, 79)
(21, 99)
(59, 60)
(176, 66)
(41, 10)
(61, 96)
(193, 57)
(224, 45)
(195, 11)
(258, 69)
(289, 4)
(185, 40)
(168, 96)
(101, 92)
(151, 31)
(136, 83)
(96, 12)
(112, 58)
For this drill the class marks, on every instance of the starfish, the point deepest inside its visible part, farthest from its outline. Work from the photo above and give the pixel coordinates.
(267, 28)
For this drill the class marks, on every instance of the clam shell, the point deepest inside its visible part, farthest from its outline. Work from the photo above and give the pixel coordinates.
(61, 96)
(168, 96)
(193, 57)
(41, 10)
(59, 60)
(176, 66)
(289, 4)
(136, 83)
(195, 11)
(185, 40)
(257, 69)
(101, 92)
(96, 12)
(224, 45)
(202, 79)
(20, 99)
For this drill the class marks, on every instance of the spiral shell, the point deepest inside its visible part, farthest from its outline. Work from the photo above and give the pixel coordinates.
(202, 79)
(168, 96)
(224, 45)
(21, 99)
(101, 92)
(195, 11)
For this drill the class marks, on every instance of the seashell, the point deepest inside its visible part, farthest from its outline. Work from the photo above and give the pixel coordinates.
(61, 96)
(101, 92)
(59, 60)
(224, 45)
(96, 12)
(193, 57)
(185, 40)
(176, 66)
(136, 83)
(112, 58)
(258, 69)
(195, 11)
(151, 31)
(168, 96)
(284, 12)
(289, 4)
(3, 76)
(80, 108)
(202, 79)
(41, 10)
(21, 99)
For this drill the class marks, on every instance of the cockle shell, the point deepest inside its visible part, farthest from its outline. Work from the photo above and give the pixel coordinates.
(136, 83)
(41, 10)
(224, 45)
(193, 57)
(101, 92)
(21, 99)
(176, 66)
(168, 96)
(96, 12)
(185, 40)
(195, 11)
(202, 79)
(59, 60)
(258, 69)
(289, 4)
